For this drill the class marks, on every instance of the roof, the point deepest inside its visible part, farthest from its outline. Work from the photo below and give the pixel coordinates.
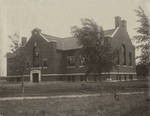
(10, 55)
(69, 43)
(109, 32)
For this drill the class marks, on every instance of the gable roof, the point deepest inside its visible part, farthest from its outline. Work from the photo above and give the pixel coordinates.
(109, 32)
(70, 43)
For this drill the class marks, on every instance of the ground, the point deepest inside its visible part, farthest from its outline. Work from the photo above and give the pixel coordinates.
(61, 88)
(104, 103)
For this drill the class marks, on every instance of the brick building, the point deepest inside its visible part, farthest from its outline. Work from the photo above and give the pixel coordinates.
(54, 58)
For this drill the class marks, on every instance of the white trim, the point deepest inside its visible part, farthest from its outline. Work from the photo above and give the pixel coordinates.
(124, 65)
(35, 71)
(130, 66)
(63, 74)
(18, 76)
(81, 66)
(69, 74)
(71, 66)
(43, 37)
(134, 73)
(45, 67)
(115, 32)
(36, 68)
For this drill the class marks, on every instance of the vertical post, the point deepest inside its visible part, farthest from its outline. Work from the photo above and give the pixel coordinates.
(22, 85)
(23, 67)
(149, 73)
(149, 80)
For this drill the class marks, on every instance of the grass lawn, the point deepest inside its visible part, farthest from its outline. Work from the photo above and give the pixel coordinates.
(104, 105)
(62, 88)
(143, 110)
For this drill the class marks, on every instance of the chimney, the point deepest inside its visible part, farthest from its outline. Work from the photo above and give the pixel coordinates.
(120, 23)
(117, 21)
(124, 24)
(23, 41)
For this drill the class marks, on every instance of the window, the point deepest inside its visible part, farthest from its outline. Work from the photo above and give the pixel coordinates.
(117, 77)
(130, 77)
(82, 78)
(82, 61)
(35, 57)
(11, 59)
(118, 58)
(27, 65)
(45, 62)
(70, 61)
(125, 77)
(130, 59)
(124, 54)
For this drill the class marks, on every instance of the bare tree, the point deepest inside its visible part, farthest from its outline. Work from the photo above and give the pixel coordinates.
(17, 50)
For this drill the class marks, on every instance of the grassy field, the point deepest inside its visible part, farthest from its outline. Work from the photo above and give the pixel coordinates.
(104, 105)
(59, 88)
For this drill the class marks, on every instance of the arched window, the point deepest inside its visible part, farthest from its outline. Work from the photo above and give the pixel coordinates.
(45, 62)
(35, 56)
(70, 60)
(82, 60)
(118, 58)
(130, 59)
(124, 54)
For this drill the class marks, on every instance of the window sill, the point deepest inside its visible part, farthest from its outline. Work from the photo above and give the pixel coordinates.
(127, 66)
(82, 66)
(44, 67)
(131, 66)
(71, 66)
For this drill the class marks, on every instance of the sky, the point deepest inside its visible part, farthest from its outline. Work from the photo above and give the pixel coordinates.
(56, 17)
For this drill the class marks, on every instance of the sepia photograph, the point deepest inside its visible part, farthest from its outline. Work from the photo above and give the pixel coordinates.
(74, 57)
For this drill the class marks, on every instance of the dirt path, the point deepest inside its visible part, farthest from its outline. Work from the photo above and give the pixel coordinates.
(65, 96)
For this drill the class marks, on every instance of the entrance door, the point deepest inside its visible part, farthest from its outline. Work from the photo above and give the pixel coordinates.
(35, 77)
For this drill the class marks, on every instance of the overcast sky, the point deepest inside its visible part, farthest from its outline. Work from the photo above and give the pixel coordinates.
(56, 17)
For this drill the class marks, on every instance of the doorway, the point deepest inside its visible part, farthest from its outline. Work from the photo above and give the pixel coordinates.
(35, 77)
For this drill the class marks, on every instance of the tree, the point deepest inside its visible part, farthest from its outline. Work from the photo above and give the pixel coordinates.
(96, 48)
(143, 35)
(142, 70)
(14, 42)
(143, 40)
(19, 63)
